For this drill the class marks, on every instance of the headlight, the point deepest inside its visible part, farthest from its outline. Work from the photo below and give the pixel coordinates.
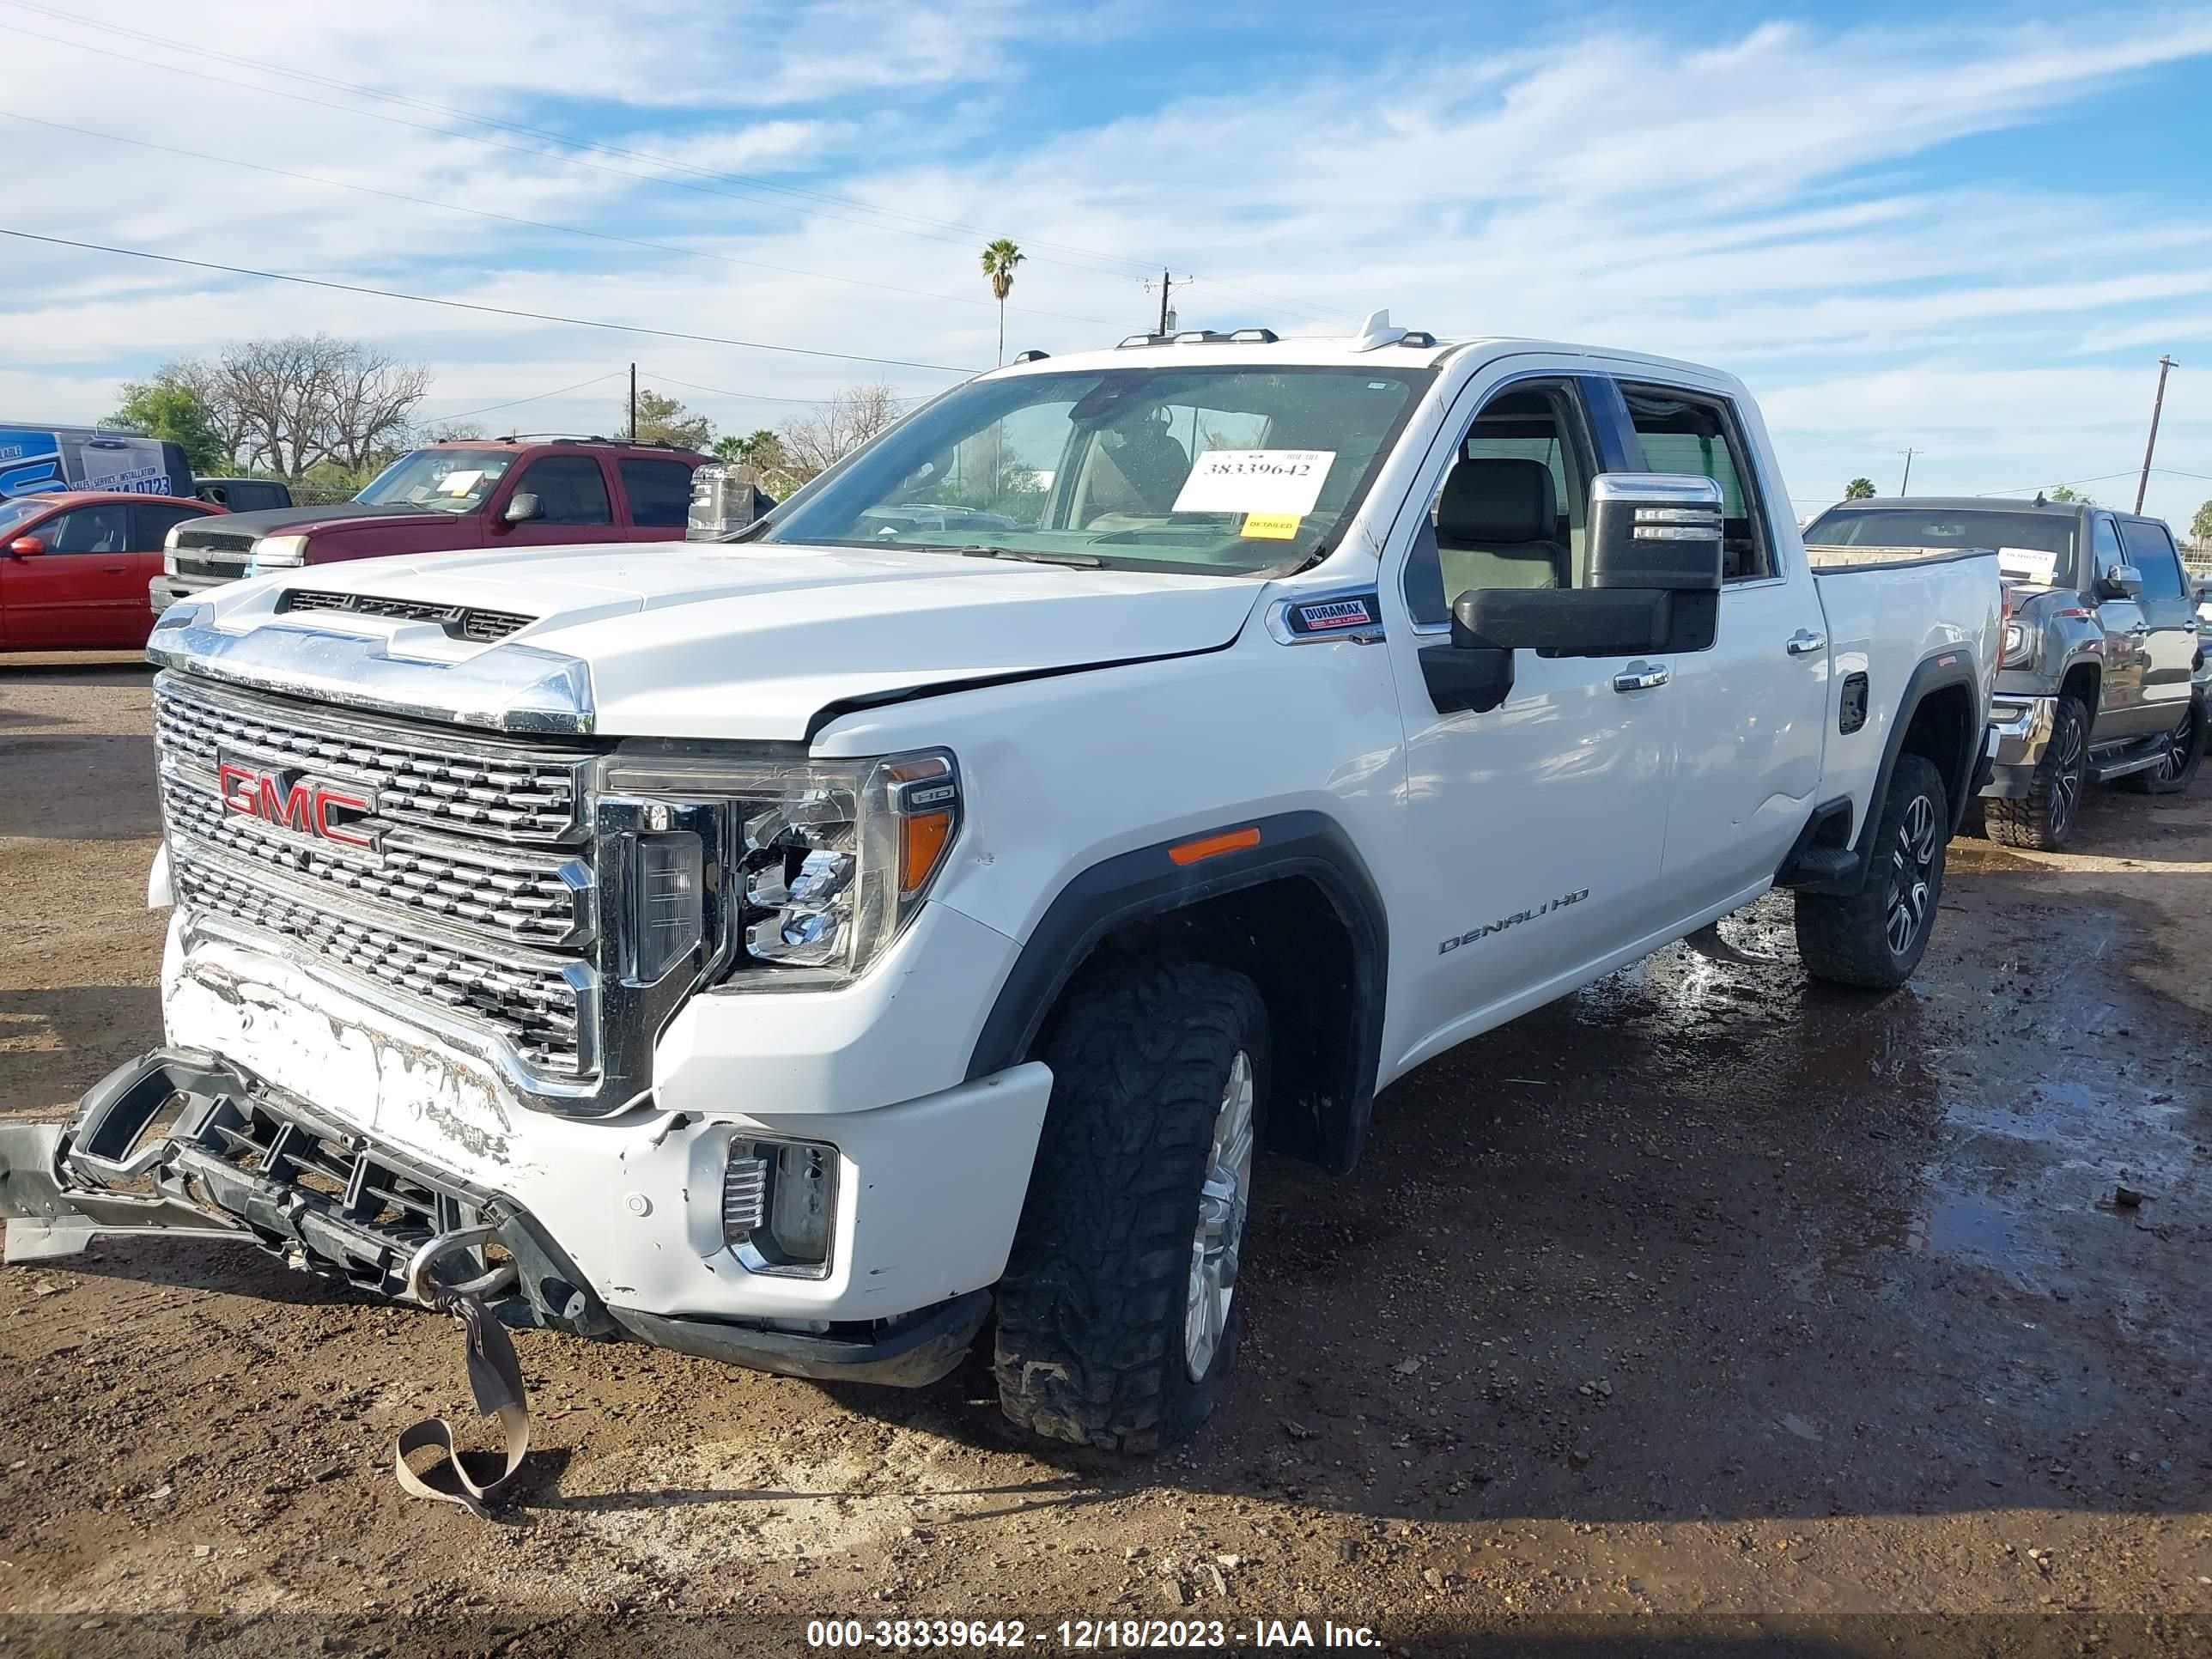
(2018, 646)
(277, 553)
(169, 548)
(827, 861)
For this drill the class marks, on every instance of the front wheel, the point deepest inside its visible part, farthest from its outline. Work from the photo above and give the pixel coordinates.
(1874, 937)
(2179, 757)
(1118, 1316)
(2042, 819)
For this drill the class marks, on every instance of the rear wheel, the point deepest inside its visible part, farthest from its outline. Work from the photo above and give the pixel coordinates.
(2182, 751)
(2043, 818)
(1118, 1316)
(1874, 937)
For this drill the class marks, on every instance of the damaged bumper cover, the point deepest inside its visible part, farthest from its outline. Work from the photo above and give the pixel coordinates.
(181, 1144)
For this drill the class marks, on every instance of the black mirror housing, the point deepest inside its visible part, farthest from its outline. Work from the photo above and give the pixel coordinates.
(1572, 622)
(1656, 529)
(521, 507)
(2123, 581)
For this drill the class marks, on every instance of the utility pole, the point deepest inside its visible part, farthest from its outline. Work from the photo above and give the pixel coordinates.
(1905, 489)
(2164, 364)
(1168, 285)
(633, 402)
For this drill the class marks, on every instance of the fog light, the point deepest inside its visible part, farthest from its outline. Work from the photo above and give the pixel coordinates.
(780, 1205)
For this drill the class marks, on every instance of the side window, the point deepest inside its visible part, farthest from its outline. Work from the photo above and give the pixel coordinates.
(150, 525)
(1513, 510)
(659, 492)
(1684, 431)
(570, 489)
(2150, 549)
(102, 529)
(2105, 540)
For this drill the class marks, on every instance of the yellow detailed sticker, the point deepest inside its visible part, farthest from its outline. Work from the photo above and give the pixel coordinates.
(1272, 526)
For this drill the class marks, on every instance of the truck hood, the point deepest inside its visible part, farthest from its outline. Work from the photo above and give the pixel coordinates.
(694, 639)
(268, 520)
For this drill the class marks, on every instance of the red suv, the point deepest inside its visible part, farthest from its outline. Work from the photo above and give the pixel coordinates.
(448, 498)
(73, 566)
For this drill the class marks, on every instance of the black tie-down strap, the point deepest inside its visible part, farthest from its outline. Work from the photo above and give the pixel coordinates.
(496, 1378)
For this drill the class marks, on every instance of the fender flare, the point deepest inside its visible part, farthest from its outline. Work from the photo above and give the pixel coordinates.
(1147, 882)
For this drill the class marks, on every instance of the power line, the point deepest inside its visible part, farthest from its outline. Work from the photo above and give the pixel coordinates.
(658, 378)
(2063, 484)
(495, 311)
(537, 224)
(535, 398)
(1127, 263)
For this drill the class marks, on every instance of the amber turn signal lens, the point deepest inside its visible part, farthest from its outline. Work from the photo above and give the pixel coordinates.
(923, 841)
(1206, 847)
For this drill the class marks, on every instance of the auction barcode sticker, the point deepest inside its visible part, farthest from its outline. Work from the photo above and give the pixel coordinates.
(1264, 481)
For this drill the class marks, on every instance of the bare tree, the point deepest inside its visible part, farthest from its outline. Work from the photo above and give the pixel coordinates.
(286, 405)
(370, 401)
(814, 443)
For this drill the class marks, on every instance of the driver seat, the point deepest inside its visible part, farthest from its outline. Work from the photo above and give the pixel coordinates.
(1496, 522)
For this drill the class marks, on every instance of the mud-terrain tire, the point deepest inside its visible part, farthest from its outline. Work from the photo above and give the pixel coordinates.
(1873, 938)
(1092, 1344)
(2043, 818)
(2178, 761)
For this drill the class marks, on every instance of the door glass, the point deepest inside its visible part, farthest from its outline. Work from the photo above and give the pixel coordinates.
(659, 492)
(102, 529)
(570, 489)
(1513, 509)
(2151, 551)
(1683, 431)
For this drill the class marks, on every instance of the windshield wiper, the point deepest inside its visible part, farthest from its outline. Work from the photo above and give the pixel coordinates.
(1077, 561)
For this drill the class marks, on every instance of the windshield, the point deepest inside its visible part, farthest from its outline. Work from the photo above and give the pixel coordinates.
(1217, 470)
(22, 510)
(438, 480)
(2048, 537)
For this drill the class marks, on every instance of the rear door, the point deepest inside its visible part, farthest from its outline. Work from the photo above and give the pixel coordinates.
(2122, 713)
(574, 500)
(72, 597)
(2170, 644)
(1753, 708)
(150, 525)
(659, 494)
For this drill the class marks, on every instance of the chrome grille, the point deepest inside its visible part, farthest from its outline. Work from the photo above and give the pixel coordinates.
(458, 784)
(525, 898)
(535, 1003)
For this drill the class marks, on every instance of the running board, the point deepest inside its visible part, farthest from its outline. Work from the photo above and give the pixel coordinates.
(2126, 764)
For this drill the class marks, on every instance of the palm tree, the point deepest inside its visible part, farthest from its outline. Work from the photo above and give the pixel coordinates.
(1000, 259)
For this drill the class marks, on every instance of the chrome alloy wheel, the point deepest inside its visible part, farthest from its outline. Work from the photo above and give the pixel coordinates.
(1911, 875)
(2066, 782)
(1223, 1198)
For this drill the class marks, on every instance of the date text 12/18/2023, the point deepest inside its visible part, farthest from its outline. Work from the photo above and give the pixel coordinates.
(1085, 1635)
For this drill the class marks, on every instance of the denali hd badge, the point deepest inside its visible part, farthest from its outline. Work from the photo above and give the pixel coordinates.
(294, 804)
(1518, 916)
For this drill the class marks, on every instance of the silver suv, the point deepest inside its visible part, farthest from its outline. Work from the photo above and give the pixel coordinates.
(2103, 674)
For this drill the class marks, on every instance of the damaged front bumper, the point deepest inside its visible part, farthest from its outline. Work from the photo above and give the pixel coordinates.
(181, 1144)
(2019, 732)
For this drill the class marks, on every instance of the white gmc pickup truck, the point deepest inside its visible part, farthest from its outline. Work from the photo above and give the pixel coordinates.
(918, 910)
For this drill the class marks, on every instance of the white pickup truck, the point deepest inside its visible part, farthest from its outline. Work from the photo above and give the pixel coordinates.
(920, 908)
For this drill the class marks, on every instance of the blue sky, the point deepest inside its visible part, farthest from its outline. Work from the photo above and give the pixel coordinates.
(1970, 232)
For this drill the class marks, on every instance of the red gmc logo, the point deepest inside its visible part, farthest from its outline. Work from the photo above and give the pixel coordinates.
(301, 805)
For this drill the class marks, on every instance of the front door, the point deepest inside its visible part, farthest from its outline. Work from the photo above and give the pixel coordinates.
(2121, 716)
(72, 596)
(1535, 829)
(573, 503)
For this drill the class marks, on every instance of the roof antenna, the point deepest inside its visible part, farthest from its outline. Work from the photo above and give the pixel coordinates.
(1377, 332)
(2038, 501)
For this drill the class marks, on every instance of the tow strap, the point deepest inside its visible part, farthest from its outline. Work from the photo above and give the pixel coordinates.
(495, 1379)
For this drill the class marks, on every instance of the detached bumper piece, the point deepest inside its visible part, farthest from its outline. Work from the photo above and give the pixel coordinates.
(178, 1143)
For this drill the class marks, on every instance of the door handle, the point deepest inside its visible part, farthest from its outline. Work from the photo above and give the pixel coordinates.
(1804, 642)
(116, 569)
(1642, 676)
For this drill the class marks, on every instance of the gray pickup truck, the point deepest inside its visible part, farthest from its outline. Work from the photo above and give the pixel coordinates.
(2103, 678)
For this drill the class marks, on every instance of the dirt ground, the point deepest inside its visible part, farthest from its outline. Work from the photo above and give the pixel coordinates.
(1706, 1310)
